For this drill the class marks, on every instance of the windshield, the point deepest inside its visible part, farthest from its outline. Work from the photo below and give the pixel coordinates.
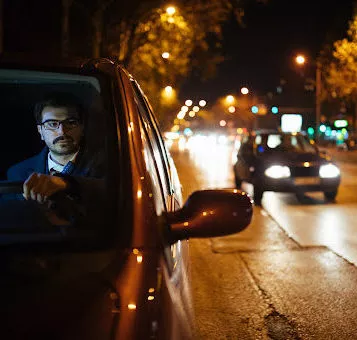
(53, 132)
(283, 142)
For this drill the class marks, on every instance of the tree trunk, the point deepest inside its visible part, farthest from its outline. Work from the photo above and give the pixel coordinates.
(66, 5)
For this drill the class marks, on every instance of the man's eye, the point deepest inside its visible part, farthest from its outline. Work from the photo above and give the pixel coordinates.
(73, 122)
(52, 125)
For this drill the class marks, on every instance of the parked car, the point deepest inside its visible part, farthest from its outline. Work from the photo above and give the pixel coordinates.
(285, 162)
(120, 268)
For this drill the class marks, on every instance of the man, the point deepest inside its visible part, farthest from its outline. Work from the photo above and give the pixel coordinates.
(59, 119)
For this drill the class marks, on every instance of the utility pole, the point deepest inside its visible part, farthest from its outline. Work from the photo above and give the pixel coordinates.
(318, 98)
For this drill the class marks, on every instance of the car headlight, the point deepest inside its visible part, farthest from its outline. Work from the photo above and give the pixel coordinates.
(277, 171)
(329, 171)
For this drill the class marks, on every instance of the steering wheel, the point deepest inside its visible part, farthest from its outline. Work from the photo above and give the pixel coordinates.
(11, 187)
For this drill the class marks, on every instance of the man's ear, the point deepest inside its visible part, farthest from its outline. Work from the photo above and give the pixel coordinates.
(39, 129)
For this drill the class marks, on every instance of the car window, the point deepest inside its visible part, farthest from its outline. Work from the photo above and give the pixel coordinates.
(284, 142)
(25, 142)
(157, 144)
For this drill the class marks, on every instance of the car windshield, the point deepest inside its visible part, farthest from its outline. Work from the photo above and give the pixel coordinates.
(67, 137)
(283, 142)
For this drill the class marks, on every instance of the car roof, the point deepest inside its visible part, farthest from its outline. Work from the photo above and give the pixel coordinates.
(53, 64)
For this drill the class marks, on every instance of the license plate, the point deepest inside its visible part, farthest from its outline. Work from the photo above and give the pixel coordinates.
(307, 180)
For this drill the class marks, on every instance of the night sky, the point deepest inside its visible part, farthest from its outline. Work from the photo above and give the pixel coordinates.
(259, 55)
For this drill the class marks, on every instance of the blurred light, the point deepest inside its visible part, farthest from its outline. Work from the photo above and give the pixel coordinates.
(322, 128)
(222, 123)
(150, 298)
(222, 139)
(291, 122)
(239, 131)
(175, 128)
(202, 103)
(279, 89)
(277, 171)
(168, 89)
(329, 171)
(232, 109)
(187, 132)
(310, 130)
(340, 123)
(139, 194)
(195, 109)
(181, 115)
(139, 259)
(184, 108)
(229, 99)
(300, 59)
(170, 10)
(131, 306)
(244, 90)
(165, 55)
(188, 102)
(274, 110)
(255, 109)
(192, 113)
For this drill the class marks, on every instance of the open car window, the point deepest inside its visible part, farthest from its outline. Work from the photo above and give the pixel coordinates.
(20, 140)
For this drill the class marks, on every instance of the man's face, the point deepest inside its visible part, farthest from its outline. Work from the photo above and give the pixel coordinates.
(66, 139)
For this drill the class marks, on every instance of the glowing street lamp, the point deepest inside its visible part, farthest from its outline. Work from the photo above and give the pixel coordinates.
(202, 103)
(244, 90)
(165, 55)
(230, 99)
(188, 102)
(170, 10)
(301, 60)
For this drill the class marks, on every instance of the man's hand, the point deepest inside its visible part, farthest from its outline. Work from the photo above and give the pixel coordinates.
(40, 187)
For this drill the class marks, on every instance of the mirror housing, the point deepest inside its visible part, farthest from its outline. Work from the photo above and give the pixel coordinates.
(210, 213)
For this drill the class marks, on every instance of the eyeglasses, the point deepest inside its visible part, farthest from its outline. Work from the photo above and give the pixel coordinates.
(52, 124)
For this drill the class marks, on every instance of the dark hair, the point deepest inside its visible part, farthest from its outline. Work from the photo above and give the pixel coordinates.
(58, 99)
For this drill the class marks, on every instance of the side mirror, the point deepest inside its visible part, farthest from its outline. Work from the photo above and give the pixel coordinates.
(210, 213)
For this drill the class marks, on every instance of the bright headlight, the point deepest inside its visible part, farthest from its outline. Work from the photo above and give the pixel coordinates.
(329, 171)
(277, 171)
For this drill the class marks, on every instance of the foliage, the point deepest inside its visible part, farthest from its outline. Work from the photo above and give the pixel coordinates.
(342, 72)
(192, 36)
(138, 32)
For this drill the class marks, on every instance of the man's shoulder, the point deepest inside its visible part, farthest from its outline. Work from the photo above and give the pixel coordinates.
(21, 170)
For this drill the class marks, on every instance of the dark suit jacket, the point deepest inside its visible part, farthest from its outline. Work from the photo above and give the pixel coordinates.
(22, 170)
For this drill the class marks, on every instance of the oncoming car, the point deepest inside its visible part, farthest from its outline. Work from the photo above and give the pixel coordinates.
(107, 257)
(285, 162)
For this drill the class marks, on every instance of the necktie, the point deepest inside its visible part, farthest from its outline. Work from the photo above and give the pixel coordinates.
(68, 168)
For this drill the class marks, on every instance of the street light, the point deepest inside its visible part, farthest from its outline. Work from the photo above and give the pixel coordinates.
(301, 60)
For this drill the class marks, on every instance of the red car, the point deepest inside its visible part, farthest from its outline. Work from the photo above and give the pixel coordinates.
(114, 264)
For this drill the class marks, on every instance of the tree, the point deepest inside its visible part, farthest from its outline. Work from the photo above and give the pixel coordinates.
(192, 36)
(342, 71)
(138, 33)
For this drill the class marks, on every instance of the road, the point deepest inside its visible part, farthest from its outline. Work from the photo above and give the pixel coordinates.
(290, 275)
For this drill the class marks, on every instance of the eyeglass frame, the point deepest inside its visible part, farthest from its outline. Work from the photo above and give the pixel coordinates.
(60, 122)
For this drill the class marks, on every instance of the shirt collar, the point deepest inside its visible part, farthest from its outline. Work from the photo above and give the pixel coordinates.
(55, 166)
